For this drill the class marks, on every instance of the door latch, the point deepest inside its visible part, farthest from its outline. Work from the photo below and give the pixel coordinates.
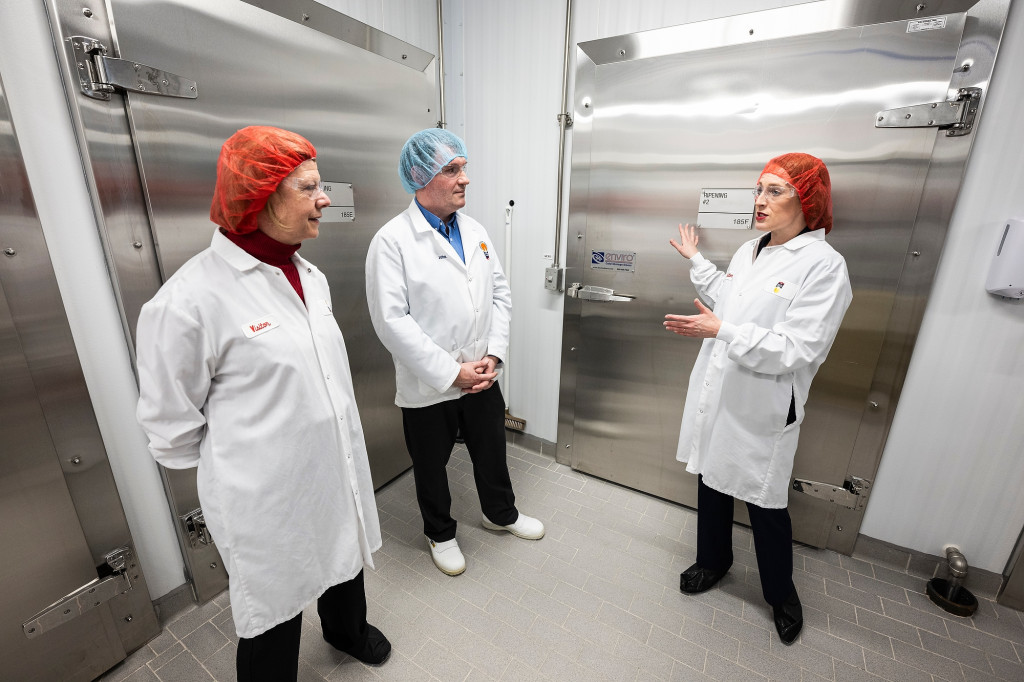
(100, 75)
(955, 116)
(590, 292)
(195, 528)
(85, 598)
(853, 494)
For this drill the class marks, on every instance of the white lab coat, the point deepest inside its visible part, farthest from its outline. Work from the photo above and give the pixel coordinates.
(237, 377)
(780, 314)
(432, 311)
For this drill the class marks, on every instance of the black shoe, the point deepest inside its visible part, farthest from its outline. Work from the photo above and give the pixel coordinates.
(695, 579)
(374, 651)
(789, 618)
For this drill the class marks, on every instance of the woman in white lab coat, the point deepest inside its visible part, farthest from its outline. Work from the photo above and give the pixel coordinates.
(243, 373)
(773, 317)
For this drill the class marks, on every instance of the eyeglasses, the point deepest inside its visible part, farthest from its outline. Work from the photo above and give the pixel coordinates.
(454, 170)
(309, 188)
(774, 192)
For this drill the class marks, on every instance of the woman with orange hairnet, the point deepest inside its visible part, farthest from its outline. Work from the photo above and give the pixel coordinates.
(243, 373)
(774, 314)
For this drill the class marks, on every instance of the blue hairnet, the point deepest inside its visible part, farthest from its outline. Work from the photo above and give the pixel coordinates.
(425, 154)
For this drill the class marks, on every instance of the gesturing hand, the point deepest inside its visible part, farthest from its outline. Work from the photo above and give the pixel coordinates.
(687, 244)
(703, 325)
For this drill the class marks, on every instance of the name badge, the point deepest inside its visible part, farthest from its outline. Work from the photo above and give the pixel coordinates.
(261, 325)
(781, 288)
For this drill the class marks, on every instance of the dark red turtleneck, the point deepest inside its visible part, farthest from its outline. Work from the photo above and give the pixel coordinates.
(270, 251)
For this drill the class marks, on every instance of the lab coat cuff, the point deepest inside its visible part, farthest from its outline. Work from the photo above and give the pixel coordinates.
(186, 457)
(448, 385)
(500, 352)
(698, 259)
(727, 332)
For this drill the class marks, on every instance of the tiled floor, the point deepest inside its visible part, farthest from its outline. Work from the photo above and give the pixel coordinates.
(598, 599)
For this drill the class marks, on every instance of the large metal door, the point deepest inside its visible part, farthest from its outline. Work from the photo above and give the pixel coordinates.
(352, 90)
(660, 141)
(74, 598)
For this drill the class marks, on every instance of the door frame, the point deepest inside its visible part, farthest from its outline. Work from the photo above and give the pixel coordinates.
(978, 47)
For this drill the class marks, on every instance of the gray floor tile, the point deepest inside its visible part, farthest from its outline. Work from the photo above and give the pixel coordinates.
(718, 668)
(597, 599)
(184, 668)
(204, 641)
(143, 674)
(869, 639)
(940, 666)
(1006, 670)
(775, 668)
(888, 668)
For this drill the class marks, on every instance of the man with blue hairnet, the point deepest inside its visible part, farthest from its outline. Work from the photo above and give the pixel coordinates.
(441, 305)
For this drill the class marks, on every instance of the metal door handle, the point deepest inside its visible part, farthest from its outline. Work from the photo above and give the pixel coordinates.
(590, 292)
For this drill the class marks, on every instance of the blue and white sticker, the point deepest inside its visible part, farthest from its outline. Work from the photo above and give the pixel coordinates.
(622, 261)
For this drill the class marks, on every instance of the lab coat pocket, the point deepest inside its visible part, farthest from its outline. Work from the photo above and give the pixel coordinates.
(781, 288)
(761, 399)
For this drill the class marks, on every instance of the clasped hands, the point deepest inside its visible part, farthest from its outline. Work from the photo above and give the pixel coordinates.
(477, 376)
(703, 325)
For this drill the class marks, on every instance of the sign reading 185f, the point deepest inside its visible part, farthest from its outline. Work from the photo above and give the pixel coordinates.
(343, 205)
(623, 261)
(728, 208)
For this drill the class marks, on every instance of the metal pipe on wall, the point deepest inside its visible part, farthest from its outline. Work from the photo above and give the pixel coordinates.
(553, 276)
(440, 60)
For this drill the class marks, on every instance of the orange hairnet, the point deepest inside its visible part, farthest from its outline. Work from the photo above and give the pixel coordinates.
(809, 176)
(252, 163)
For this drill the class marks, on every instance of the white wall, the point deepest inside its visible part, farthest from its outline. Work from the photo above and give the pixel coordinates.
(954, 463)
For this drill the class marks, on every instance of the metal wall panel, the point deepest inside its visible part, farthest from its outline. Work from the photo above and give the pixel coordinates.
(354, 91)
(60, 509)
(653, 126)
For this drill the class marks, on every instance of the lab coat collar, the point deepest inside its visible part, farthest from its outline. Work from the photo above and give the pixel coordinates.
(242, 260)
(420, 224)
(805, 238)
(236, 256)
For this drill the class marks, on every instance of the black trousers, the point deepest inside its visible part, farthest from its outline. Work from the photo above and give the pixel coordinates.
(430, 435)
(273, 656)
(773, 541)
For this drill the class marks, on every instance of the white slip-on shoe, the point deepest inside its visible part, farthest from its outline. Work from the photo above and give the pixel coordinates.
(447, 556)
(525, 527)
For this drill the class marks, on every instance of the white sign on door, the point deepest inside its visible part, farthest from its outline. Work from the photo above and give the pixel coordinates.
(730, 209)
(343, 205)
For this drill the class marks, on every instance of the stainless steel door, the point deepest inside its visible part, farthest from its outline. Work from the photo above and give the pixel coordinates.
(654, 134)
(353, 91)
(60, 514)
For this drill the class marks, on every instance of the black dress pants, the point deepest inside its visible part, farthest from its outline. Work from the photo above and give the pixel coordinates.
(430, 436)
(273, 656)
(773, 541)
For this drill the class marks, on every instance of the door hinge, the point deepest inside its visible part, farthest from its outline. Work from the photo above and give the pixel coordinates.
(195, 528)
(100, 75)
(853, 494)
(85, 598)
(956, 116)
